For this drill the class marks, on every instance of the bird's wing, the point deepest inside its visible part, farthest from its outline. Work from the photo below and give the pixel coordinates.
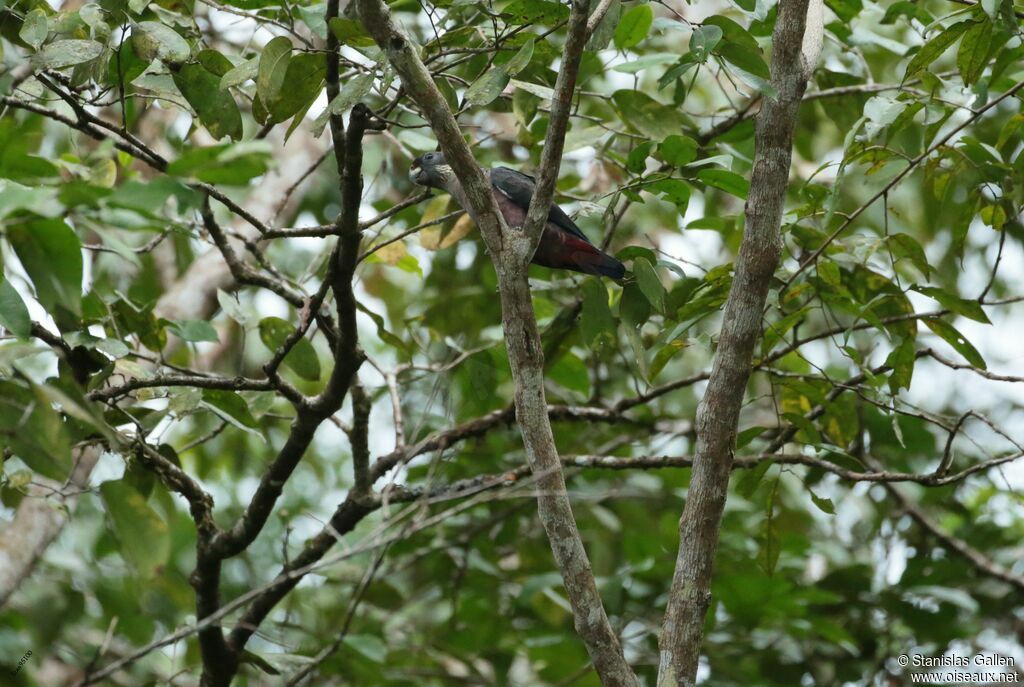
(519, 188)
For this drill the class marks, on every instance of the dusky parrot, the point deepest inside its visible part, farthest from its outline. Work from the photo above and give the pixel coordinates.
(562, 245)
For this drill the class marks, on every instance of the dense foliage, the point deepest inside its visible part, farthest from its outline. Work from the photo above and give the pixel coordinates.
(169, 204)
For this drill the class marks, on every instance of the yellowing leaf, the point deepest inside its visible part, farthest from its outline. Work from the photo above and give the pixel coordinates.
(436, 237)
(391, 253)
(104, 173)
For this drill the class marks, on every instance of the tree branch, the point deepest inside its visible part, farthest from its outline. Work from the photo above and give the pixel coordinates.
(309, 415)
(511, 252)
(848, 221)
(980, 561)
(718, 413)
(38, 520)
(262, 599)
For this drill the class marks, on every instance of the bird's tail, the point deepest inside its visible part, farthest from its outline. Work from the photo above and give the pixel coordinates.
(599, 263)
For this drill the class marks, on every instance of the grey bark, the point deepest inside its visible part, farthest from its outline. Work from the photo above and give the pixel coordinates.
(511, 251)
(718, 413)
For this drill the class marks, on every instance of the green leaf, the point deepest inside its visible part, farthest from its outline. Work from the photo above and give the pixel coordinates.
(141, 322)
(305, 79)
(808, 432)
(634, 308)
(645, 62)
(182, 400)
(703, 40)
(524, 105)
(230, 407)
(596, 322)
(66, 53)
(571, 372)
(931, 50)
(351, 33)
(144, 536)
(881, 111)
(636, 161)
(664, 355)
(744, 438)
(386, 336)
(520, 60)
(194, 330)
(650, 283)
(954, 338)
(771, 544)
(749, 65)
(732, 32)
(34, 29)
(236, 76)
(302, 359)
(233, 308)
(257, 660)
(752, 478)
(52, 255)
(14, 315)
(604, 31)
(313, 16)
(33, 430)
(639, 359)
(675, 191)
(678, 150)
(542, 92)
(823, 504)
(18, 163)
(678, 70)
(901, 360)
(910, 10)
(370, 646)
(273, 69)
(730, 182)
(536, 12)
(223, 164)
(974, 49)
(829, 272)
(112, 347)
(961, 306)
(906, 246)
(215, 106)
(488, 87)
(647, 115)
(994, 216)
(633, 26)
(351, 93)
(152, 40)
(774, 331)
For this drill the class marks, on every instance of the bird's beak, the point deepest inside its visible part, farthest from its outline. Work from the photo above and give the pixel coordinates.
(414, 170)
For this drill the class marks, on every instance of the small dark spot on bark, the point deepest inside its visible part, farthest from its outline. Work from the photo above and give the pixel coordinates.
(397, 43)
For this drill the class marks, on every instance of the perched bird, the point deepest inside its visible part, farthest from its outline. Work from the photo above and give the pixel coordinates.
(562, 245)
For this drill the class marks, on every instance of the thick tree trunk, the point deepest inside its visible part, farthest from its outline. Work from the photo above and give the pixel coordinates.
(718, 414)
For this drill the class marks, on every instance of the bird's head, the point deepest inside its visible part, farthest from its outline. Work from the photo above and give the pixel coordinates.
(431, 169)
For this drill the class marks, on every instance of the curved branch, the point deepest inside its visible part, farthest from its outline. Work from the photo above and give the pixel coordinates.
(511, 252)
